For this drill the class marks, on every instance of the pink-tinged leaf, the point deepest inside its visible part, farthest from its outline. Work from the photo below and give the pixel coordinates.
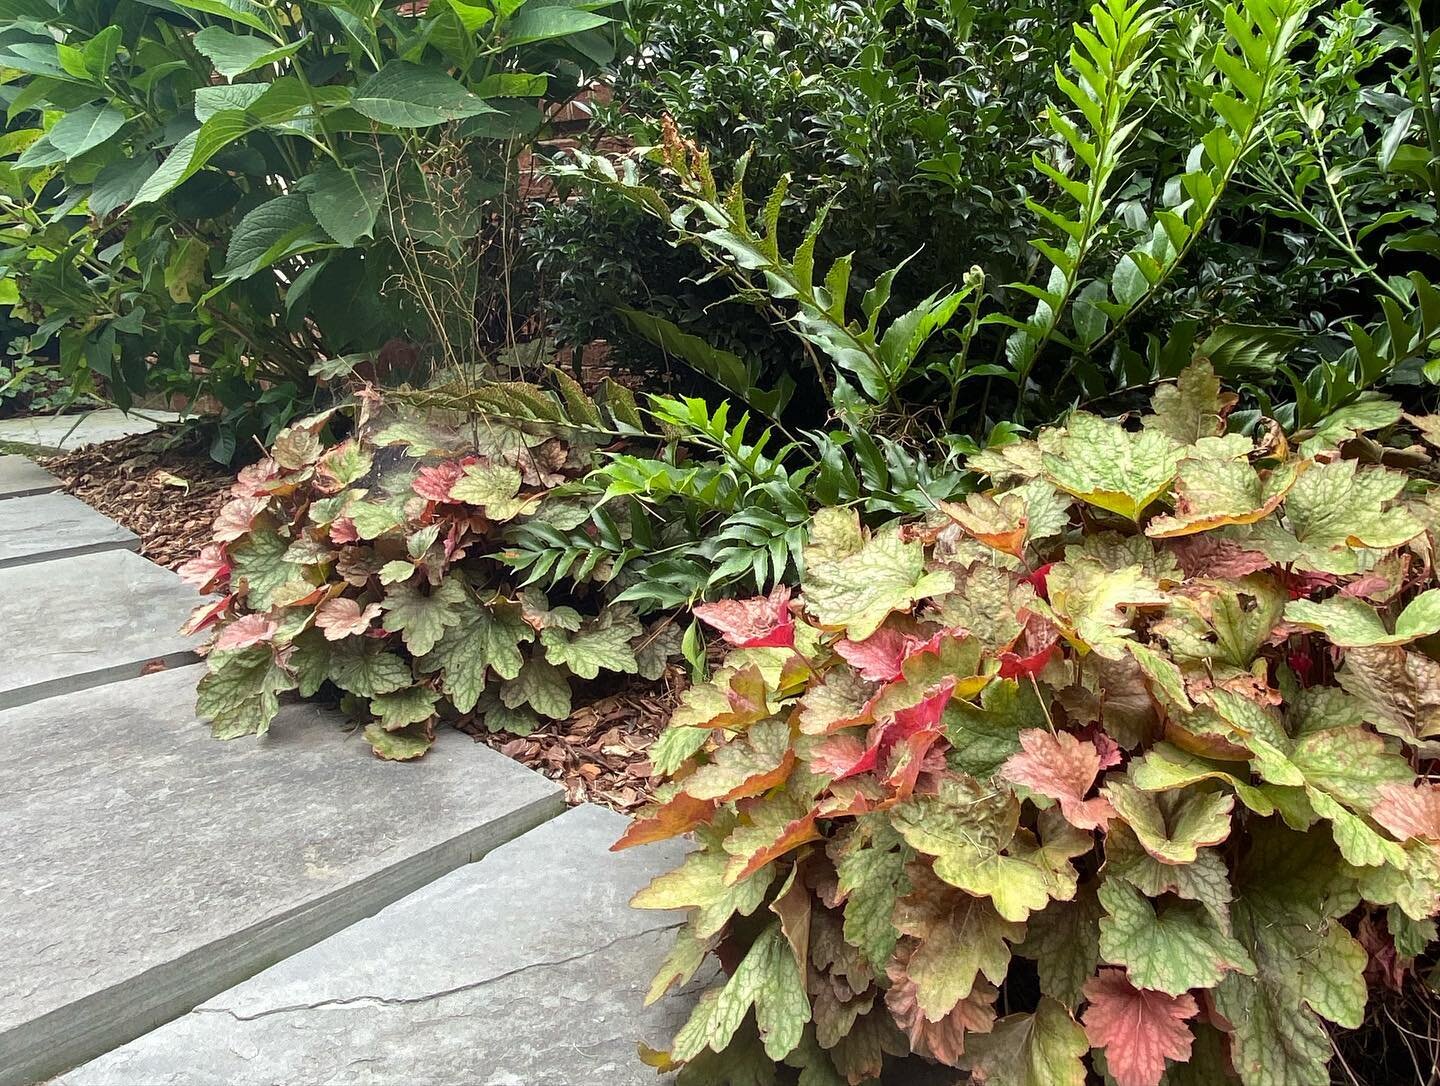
(1110, 755)
(1037, 580)
(342, 531)
(342, 618)
(257, 479)
(663, 820)
(1385, 965)
(911, 757)
(207, 570)
(1410, 812)
(237, 517)
(1138, 1029)
(1064, 768)
(433, 483)
(246, 631)
(943, 1040)
(884, 737)
(837, 755)
(757, 623)
(879, 656)
(1215, 557)
(206, 615)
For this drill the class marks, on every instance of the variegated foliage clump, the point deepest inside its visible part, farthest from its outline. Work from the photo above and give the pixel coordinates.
(1137, 739)
(372, 565)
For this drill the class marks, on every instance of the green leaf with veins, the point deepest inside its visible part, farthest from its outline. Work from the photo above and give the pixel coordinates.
(362, 666)
(259, 564)
(1352, 623)
(982, 738)
(858, 592)
(1205, 879)
(870, 863)
(1171, 949)
(1040, 1049)
(542, 686)
(699, 884)
(1172, 826)
(240, 694)
(422, 618)
(1105, 465)
(410, 705)
(1063, 939)
(602, 643)
(398, 746)
(486, 637)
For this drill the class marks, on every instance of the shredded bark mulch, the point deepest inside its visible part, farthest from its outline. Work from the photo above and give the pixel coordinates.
(600, 753)
(168, 496)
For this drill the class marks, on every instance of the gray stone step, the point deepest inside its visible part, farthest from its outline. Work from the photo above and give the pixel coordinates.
(526, 969)
(63, 433)
(49, 526)
(80, 622)
(20, 477)
(145, 866)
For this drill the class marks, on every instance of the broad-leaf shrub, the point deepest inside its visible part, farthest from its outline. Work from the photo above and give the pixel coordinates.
(1127, 743)
(368, 565)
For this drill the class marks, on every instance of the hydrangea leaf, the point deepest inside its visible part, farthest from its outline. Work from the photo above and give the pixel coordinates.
(1039, 1049)
(1172, 949)
(409, 705)
(959, 938)
(542, 686)
(981, 739)
(1089, 602)
(601, 643)
(858, 591)
(1205, 879)
(699, 884)
(753, 763)
(1139, 1030)
(421, 618)
(1352, 623)
(1399, 693)
(1172, 826)
(258, 563)
(1105, 465)
(363, 666)
(398, 746)
(1064, 768)
(1331, 509)
(1213, 493)
(1064, 941)
(769, 980)
(240, 694)
(871, 872)
(1192, 408)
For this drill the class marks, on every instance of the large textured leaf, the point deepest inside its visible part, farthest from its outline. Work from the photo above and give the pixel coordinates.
(240, 694)
(1105, 465)
(1090, 602)
(1211, 493)
(1172, 826)
(1040, 1049)
(1058, 765)
(421, 618)
(603, 643)
(1064, 941)
(363, 666)
(872, 877)
(85, 128)
(770, 981)
(1171, 949)
(1194, 407)
(236, 54)
(699, 884)
(485, 638)
(1205, 879)
(857, 591)
(1399, 692)
(279, 228)
(406, 95)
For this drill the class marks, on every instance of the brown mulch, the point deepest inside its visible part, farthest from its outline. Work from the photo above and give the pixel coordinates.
(600, 754)
(166, 496)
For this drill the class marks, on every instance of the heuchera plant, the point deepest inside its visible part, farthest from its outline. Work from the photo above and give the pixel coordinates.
(369, 565)
(1130, 739)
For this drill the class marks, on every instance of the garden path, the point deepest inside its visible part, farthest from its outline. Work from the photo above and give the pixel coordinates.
(284, 910)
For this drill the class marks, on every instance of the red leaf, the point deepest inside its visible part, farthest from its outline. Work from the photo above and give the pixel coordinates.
(1214, 556)
(1032, 650)
(433, 482)
(254, 480)
(1064, 768)
(1037, 580)
(343, 531)
(208, 569)
(759, 623)
(662, 821)
(884, 737)
(1138, 1029)
(879, 656)
(207, 614)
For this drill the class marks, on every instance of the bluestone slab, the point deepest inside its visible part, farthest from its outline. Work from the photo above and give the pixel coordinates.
(526, 969)
(20, 477)
(66, 432)
(80, 622)
(145, 866)
(49, 526)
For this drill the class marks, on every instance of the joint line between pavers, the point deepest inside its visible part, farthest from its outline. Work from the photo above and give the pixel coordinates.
(131, 545)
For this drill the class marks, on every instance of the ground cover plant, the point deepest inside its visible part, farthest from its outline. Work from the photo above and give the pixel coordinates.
(1252, 181)
(371, 567)
(238, 203)
(1120, 766)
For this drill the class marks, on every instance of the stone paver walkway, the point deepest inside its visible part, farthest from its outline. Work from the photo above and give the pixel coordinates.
(146, 868)
(62, 433)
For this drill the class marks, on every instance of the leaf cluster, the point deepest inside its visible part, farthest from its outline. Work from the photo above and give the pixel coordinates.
(1130, 744)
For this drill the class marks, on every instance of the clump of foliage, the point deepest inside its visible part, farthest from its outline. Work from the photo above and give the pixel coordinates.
(370, 566)
(1132, 743)
(910, 122)
(221, 199)
(1200, 176)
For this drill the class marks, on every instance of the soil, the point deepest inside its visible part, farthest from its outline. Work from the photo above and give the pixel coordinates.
(166, 491)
